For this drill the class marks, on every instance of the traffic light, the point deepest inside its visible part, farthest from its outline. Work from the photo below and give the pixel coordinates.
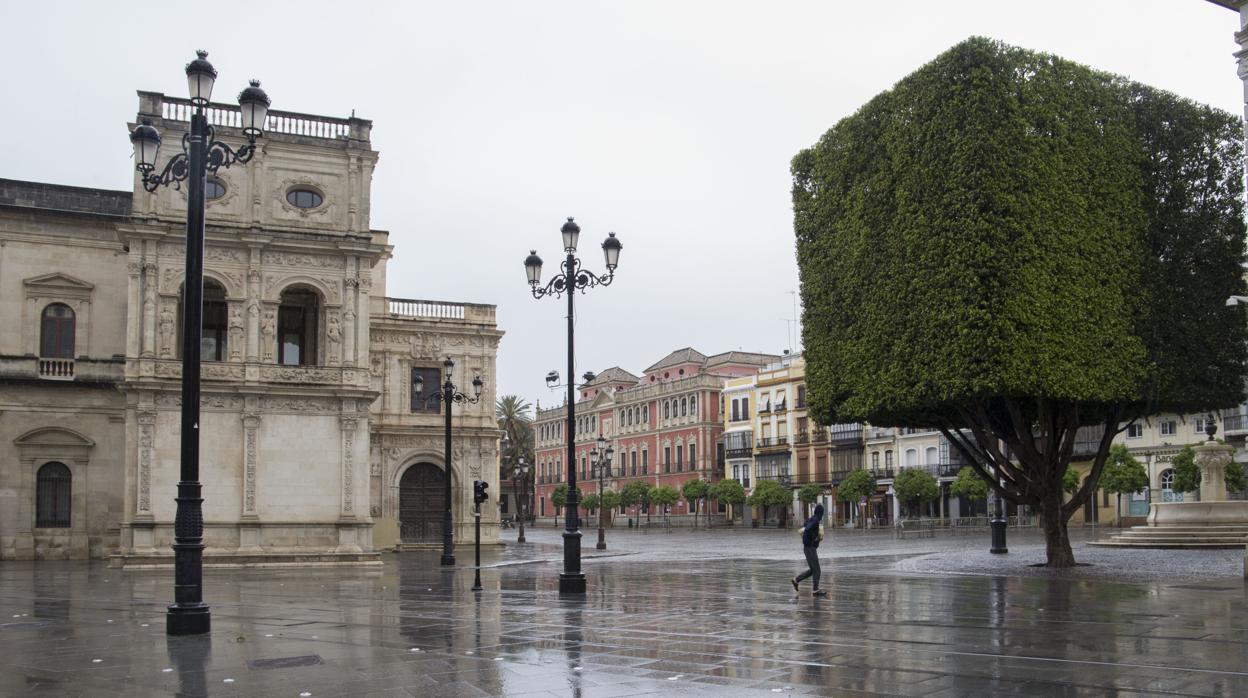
(478, 491)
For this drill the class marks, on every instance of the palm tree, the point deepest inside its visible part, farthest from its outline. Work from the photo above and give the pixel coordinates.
(514, 419)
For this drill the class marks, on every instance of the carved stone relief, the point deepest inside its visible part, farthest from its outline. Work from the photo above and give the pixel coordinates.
(301, 405)
(147, 428)
(292, 259)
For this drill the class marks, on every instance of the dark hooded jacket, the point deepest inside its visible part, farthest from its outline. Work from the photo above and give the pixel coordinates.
(810, 530)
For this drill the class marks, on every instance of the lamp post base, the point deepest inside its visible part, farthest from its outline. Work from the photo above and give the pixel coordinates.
(998, 538)
(188, 619)
(572, 580)
(448, 560)
(571, 583)
(602, 540)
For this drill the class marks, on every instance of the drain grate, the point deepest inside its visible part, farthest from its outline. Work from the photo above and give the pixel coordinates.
(285, 662)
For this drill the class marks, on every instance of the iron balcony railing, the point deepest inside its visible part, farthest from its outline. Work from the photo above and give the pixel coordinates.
(1234, 423)
(773, 441)
(801, 437)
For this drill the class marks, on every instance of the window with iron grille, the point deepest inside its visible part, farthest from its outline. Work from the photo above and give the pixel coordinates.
(52, 496)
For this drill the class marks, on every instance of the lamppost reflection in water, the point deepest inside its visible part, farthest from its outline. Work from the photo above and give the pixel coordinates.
(573, 639)
(189, 655)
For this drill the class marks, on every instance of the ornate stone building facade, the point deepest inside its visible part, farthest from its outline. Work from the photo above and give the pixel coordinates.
(313, 449)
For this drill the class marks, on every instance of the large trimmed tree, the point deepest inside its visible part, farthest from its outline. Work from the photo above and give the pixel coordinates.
(1009, 247)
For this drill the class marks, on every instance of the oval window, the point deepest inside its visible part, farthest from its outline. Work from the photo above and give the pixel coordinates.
(303, 198)
(214, 189)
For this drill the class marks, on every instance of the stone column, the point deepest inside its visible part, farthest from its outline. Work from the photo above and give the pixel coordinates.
(249, 525)
(253, 315)
(350, 425)
(134, 295)
(149, 309)
(349, 316)
(1211, 458)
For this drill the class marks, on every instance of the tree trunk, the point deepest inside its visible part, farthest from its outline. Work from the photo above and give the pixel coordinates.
(1056, 539)
(1118, 514)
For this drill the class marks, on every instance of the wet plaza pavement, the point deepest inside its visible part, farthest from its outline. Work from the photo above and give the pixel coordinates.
(681, 614)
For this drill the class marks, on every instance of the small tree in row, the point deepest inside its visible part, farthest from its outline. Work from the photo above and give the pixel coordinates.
(729, 492)
(809, 494)
(695, 491)
(767, 494)
(1123, 475)
(636, 493)
(610, 502)
(969, 485)
(664, 496)
(914, 486)
(854, 487)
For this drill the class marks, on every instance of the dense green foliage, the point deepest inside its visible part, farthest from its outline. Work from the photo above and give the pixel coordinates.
(590, 503)
(513, 418)
(1008, 246)
(968, 484)
(664, 496)
(1186, 474)
(915, 485)
(809, 493)
(635, 493)
(1123, 474)
(856, 485)
(610, 499)
(729, 492)
(1070, 480)
(694, 491)
(767, 494)
(1234, 476)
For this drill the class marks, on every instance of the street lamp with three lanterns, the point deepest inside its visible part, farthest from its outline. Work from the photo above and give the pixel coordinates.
(201, 154)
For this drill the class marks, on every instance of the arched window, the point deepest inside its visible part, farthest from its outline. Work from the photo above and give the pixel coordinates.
(684, 407)
(52, 496)
(297, 327)
(645, 414)
(931, 456)
(667, 410)
(693, 405)
(912, 457)
(56, 339)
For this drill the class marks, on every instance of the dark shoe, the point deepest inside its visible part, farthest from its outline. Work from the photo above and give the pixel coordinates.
(795, 587)
(820, 592)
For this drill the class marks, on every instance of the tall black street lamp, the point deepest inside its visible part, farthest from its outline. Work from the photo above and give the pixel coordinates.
(448, 395)
(573, 278)
(201, 153)
(520, 473)
(602, 456)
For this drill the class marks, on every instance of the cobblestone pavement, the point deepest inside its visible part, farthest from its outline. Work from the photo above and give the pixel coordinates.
(681, 614)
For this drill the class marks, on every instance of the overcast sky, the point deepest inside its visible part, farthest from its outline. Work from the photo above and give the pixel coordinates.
(670, 123)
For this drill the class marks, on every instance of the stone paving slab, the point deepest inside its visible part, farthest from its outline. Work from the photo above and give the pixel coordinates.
(666, 615)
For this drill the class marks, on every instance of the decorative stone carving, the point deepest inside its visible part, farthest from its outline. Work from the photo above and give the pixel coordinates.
(211, 254)
(268, 331)
(207, 401)
(292, 259)
(147, 428)
(221, 372)
(167, 335)
(300, 374)
(333, 333)
(349, 426)
(236, 332)
(251, 422)
(298, 405)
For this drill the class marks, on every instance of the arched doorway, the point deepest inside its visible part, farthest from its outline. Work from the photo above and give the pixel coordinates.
(421, 493)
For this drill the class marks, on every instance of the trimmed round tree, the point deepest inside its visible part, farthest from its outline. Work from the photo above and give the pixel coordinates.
(693, 492)
(1123, 475)
(1010, 248)
(767, 494)
(610, 502)
(664, 496)
(636, 493)
(854, 487)
(729, 492)
(915, 486)
(968, 484)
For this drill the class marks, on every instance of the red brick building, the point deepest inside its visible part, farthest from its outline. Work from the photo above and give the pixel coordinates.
(665, 425)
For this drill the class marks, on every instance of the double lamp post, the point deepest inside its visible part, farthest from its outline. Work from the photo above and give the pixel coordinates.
(572, 279)
(448, 396)
(601, 458)
(201, 153)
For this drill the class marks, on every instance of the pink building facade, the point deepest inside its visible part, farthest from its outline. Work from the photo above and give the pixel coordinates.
(665, 426)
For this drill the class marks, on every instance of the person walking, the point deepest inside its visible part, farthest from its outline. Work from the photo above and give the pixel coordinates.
(812, 533)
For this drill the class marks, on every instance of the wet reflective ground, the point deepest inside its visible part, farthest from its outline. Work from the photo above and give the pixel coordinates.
(686, 614)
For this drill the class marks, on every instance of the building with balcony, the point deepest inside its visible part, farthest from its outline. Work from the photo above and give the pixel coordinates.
(312, 447)
(665, 425)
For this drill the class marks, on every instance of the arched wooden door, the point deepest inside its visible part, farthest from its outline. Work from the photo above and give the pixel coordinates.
(421, 493)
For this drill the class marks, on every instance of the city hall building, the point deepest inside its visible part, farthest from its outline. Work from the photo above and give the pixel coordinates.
(314, 449)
